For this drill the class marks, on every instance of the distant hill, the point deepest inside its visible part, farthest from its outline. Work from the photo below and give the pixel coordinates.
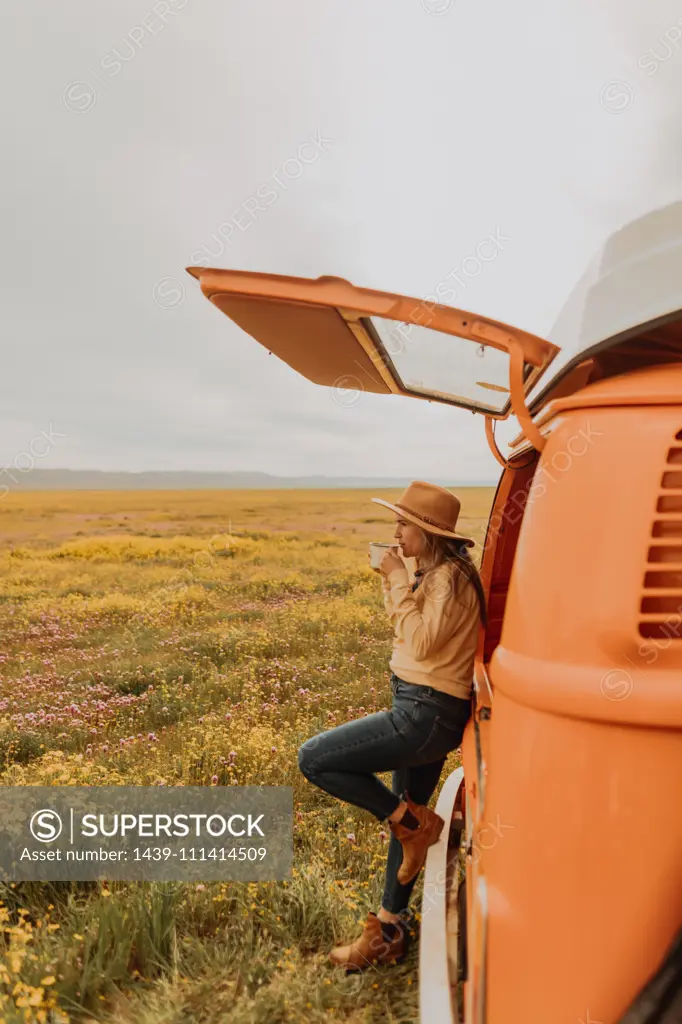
(189, 480)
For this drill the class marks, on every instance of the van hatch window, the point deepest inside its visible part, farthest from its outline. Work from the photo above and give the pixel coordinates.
(431, 362)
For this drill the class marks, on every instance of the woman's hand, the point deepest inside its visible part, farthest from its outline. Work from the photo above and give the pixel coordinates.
(390, 561)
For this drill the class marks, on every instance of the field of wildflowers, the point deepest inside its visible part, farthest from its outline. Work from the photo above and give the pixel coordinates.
(194, 638)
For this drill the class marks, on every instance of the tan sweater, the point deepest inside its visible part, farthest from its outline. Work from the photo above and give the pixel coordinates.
(436, 628)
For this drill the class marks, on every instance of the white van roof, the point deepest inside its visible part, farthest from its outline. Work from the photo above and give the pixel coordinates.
(635, 279)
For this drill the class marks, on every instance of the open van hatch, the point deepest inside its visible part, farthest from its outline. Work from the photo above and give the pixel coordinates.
(338, 335)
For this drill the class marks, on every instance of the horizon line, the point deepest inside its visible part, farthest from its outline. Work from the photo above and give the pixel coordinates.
(211, 472)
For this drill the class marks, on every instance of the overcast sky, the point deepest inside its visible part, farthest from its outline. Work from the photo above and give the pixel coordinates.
(395, 136)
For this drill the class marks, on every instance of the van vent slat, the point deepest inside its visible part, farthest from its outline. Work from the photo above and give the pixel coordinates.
(665, 553)
(660, 630)
(672, 481)
(667, 528)
(661, 606)
(661, 602)
(669, 580)
(669, 503)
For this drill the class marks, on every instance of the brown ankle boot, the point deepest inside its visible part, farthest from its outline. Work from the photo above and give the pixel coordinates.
(416, 841)
(371, 948)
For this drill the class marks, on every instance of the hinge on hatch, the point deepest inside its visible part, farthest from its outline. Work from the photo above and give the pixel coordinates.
(518, 404)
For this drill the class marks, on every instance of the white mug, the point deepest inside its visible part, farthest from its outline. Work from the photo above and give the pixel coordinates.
(376, 552)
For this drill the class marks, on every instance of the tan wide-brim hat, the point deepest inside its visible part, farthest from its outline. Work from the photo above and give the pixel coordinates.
(433, 508)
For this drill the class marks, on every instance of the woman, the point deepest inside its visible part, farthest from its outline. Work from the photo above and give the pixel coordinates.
(436, 621)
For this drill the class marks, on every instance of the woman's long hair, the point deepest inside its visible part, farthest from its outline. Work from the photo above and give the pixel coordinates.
(439, 550)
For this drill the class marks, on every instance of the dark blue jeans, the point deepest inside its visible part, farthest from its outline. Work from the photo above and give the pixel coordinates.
(412, 740)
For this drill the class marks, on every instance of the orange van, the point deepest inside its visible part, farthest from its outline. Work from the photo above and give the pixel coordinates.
(555, 896)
